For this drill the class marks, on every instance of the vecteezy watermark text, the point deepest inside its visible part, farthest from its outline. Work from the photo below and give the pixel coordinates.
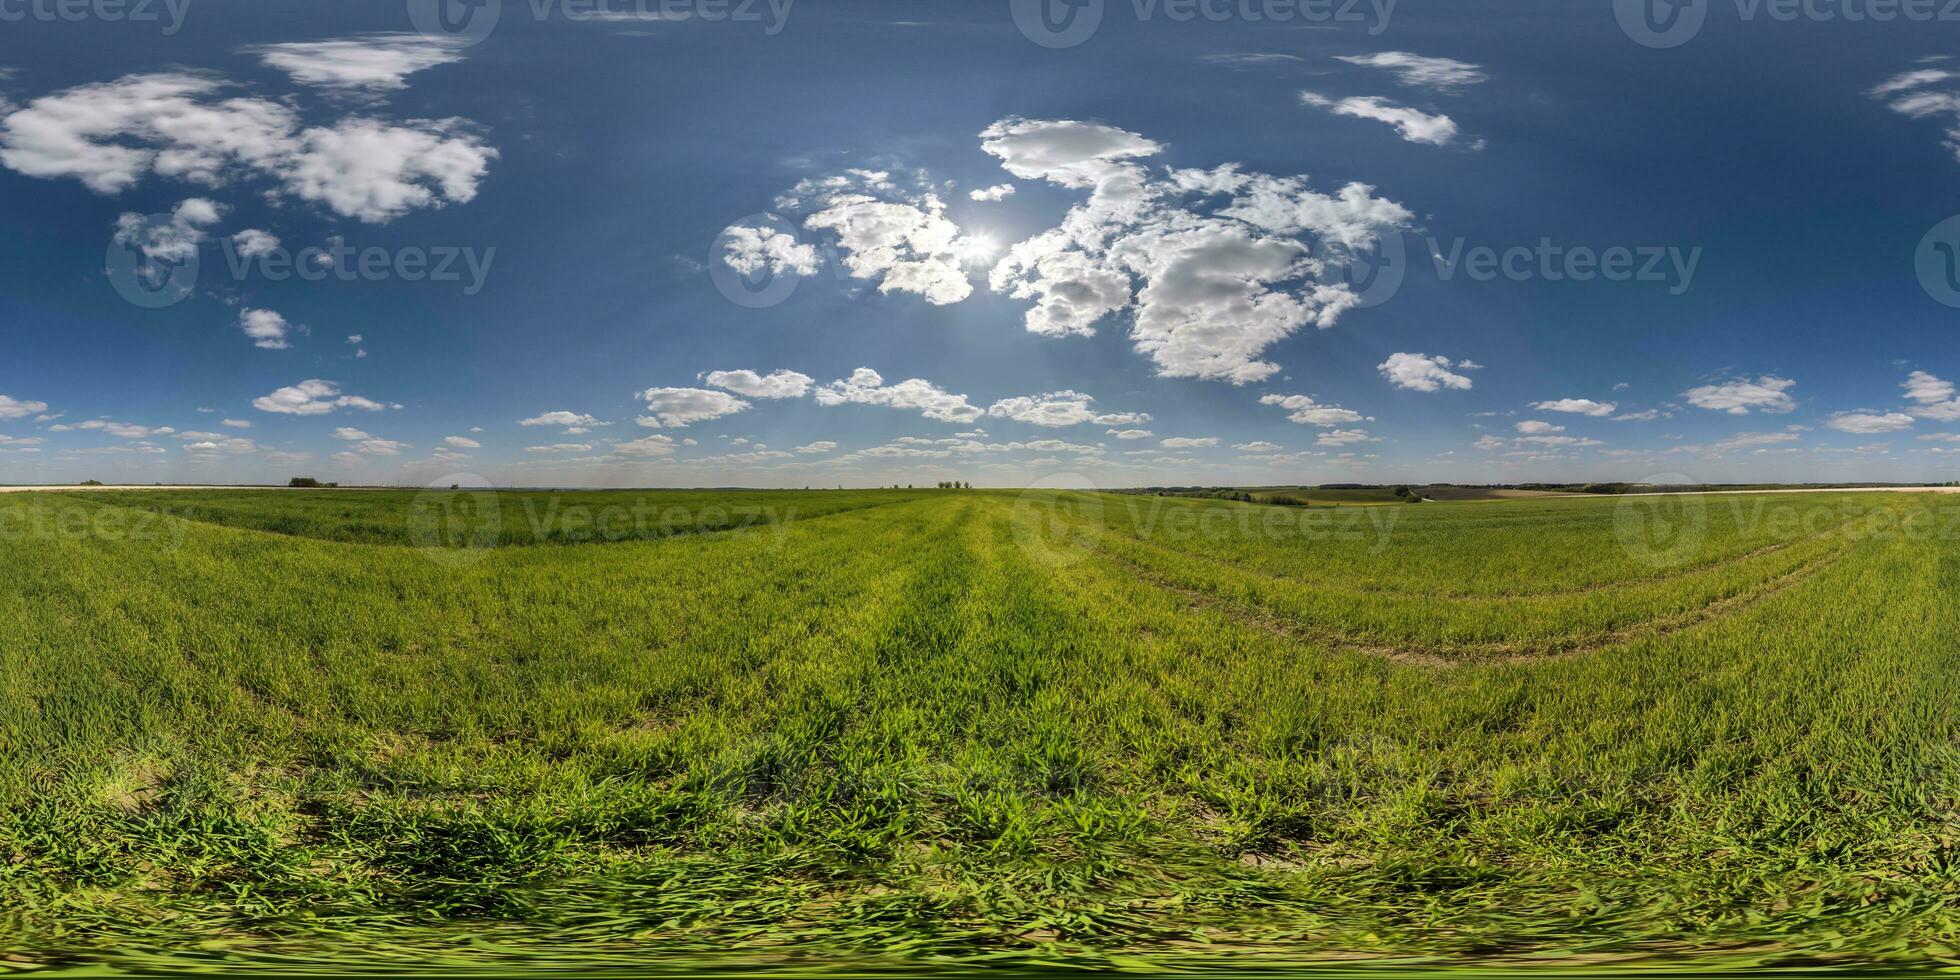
(348, 263)
(470, 21)
(1668, 265)
(1672, 23)
(169, 13)
(1067, 23)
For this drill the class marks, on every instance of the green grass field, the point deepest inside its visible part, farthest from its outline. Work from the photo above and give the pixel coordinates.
(791, 729)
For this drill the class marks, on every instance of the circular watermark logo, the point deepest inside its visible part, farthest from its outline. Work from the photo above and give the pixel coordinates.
(463, 22)
(1661, 530)
(758, 261)
(1660, 23)
(1937, 262)
(1373, 274)
(1058, 519)
(150, 263)
(455, 520)
(1057, 23)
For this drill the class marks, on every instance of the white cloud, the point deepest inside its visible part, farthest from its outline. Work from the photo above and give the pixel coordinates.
(1417, 70)
(253, 243)
(1182, 443)
(1206, 262)
(998, 192)
(350, 434)
(182, 125)
(1925, 389)
(1060, 408)
(266, 328)
(1343, 437)
(817, 448)
(235, 423)
(1740, 396)
(314, 397)
(173, 241)
(221, 446)
(1908, 94)
(1648, 415)
(373, 62)
(1577, 406)
(777, 384)
(462, 442)
(15, 408)
(1305, 411)
(900, 238)
(1745, 440)
(1535, 427)
(749, 250)
(653, 445)
(560, 447)
(121, 430)
(577, 420)
(866, 387)
(1869, 423)
(677, 408)
(1257, 446)
(1131, 433)
(1420, 372)
(1415, 125)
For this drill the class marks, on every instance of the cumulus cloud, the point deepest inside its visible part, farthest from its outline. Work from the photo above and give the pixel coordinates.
(867, 387)
(998, 192)
(1925, 388)
(221, 446)
(750, 250)
(1417, 70)
(462, 442)
(1343, 437)
(777, 384)
(573, 420)
(1060, 408)
(1205, 442)
(266, 328)
(1934, 397)
(1127, 434)
(371, 62)
(1305, 411)
(1257, 446)
(1420, 372)
(1742, 396)
(173, 240)
(817, 448)
(1210, 265)
(678, 408)
(314, 397)
(188, 126)
(1414, 125)
(1536, 427)
(254, 243)
(1869, 423)
(121, 430)
(1577, 406)
(653, 445)
(15, 408)
(897, 236)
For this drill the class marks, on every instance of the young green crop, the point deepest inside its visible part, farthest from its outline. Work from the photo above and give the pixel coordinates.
(283, 727)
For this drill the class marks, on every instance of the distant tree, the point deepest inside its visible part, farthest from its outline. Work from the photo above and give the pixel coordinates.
(91, 483)
(303, 482)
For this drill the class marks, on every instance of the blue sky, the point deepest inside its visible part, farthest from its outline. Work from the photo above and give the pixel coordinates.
(672, 243)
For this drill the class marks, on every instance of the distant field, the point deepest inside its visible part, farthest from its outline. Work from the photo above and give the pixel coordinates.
(271, 728)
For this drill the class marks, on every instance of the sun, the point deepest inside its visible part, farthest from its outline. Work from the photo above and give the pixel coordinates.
(979, 248)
